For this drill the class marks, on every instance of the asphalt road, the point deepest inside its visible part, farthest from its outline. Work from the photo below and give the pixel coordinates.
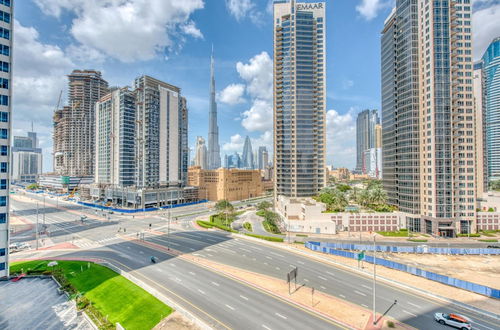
(199, 289)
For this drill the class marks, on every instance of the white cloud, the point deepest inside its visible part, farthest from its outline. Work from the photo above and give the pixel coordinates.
(239, 8)
(128, 30)
(369, 9)
(235, 144)
(232, 94)
(485, 25)
(347, 84)
(259, 117)
(341, 142)
(237, 141)
(258, 74)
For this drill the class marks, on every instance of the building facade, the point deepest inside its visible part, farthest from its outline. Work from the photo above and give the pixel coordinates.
(428, 125)
(214, 161)
(247, 156)
(200, 158)
(26, 159)
(366, 139)
(299, 98)
(161, 134)
(233, 161)
(74, 125)
(263, 158)
(491, 107)
(224, 183)
(6, 23)
(115, 139)
(481, 155)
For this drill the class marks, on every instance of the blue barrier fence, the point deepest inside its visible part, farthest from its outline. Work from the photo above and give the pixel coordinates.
(102, 207)
(477, 288)
(409, 249)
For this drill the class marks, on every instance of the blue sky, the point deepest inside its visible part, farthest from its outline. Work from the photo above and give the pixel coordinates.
(171, 40)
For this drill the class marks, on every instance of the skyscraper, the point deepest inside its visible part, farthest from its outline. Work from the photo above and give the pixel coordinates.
(7, 21)
(299, 98)
(213, 126)
(247, 157)
(26, 158)
(200, 158)
(481, 155)
(161, 133)
(263, 157)
(491, 106)
(365, 135)
(428, 115)
(74, 125)
(115, 138)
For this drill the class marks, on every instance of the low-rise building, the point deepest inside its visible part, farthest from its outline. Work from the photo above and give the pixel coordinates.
(340, 174)
(26, 158)
(229, 184)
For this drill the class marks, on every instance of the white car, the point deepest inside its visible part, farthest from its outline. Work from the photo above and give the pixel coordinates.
(453, 320)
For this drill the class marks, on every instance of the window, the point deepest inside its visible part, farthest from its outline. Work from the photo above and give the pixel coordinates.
(4, 100)
(4, 151)
(4, 83)
(4, 50)
(3, 184)
(4, 66)
(5, 3)
(3, 201)
(4, 117)
(2, 265)
(2, 252)
(3, 218)
(4, 16)
(4, 133)
(4, 33)
(3, 168)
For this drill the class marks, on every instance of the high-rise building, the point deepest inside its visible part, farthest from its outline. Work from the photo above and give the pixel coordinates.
(491, 107)
(299, 98)
(74, 125)
(247, 156)
(481, 156)
(6, 23)
(213, 126)
(115, 138)
(365, 135)
(233, 161)
(263, 157)
(428, 115)
(26, 158)
(200, 158)
(161, 134)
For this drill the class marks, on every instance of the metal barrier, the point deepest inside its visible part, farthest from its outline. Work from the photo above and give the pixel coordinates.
(409, 249)
(102, 207)
(476, 288)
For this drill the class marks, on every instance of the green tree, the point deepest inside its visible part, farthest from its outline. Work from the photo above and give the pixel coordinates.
(223, 205)
(339, 201)
(372, 184)
(363, 198)
(377, 196)
(495, 185)
(343, 187)
(262, 206)
(32, 186)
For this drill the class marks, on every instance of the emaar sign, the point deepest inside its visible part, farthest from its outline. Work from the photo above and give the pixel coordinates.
(309, 6)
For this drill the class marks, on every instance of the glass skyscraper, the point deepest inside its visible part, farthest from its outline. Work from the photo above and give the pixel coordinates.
(428, 115)
(299, 98)
(491, 107)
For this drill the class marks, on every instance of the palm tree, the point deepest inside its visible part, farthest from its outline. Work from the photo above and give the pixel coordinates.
(378, 196)
(339, 200)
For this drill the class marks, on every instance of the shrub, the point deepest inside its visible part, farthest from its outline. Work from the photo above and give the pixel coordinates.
(390, 324)
(417, 240)
(267, 238)
(204, 224)
(247, 226)
(469, 235)
(301, 235)
(488, 240)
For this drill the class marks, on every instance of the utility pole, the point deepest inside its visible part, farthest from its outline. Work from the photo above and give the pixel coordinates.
(36, 228)
(374, 280)
(44, 210)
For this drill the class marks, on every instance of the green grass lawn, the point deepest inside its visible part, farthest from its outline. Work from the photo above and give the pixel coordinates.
(401, 233)
(247, 226)
(111, 294)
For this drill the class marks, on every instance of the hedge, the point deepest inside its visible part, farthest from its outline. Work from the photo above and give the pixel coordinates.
(267, 238)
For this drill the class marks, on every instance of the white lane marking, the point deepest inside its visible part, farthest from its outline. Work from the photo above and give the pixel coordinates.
(330, 273)
(246, 250)
(192, 273)
(141, 252)
(201, 291)
(208, 254)
(256, 248)
(414, 305)
(300, 262)
(341, 295)
(265, 263)
(191, 249)
(277, 268)
(414, 315)
(243, 297)
(128, 247)
(323, 287)
(279, 315)
(366, 306)
(323, 278)
(482, 325)
(216, 284)
(160, 270)
(277, 254)
(306, 280)
(367, 287)
(230, 307)
(360, 293)
(173, 265)
(268, 257)
(266, 327)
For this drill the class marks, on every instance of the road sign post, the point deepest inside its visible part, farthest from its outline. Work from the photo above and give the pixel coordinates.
(361, 256)
(312, 297)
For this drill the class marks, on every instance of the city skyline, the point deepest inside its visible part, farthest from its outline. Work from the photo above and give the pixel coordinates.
(242, 86)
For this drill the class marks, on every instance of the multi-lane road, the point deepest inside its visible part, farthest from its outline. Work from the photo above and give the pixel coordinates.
(220, 301)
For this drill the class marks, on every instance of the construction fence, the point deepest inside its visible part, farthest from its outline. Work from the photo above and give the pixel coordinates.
(473, 287)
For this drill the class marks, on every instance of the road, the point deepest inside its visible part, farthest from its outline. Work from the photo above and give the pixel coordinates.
(223, 300)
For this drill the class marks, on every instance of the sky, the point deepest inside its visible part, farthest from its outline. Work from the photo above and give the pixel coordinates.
(171, 40)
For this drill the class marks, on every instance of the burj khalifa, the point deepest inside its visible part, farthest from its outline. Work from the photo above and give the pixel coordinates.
(213, 127)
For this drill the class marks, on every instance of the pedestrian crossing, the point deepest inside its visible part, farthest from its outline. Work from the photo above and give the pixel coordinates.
(86, 243)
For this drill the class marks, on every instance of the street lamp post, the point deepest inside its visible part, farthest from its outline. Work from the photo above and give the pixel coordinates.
(374, 279)
(36, 228)
(44, 210)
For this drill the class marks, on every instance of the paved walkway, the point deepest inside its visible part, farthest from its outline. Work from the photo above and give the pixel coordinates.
(255, 220)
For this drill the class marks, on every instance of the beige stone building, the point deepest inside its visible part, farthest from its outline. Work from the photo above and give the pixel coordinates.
(230, 184)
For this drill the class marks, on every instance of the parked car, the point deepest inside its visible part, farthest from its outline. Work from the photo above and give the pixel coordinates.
(14, 247)
(453, 320)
